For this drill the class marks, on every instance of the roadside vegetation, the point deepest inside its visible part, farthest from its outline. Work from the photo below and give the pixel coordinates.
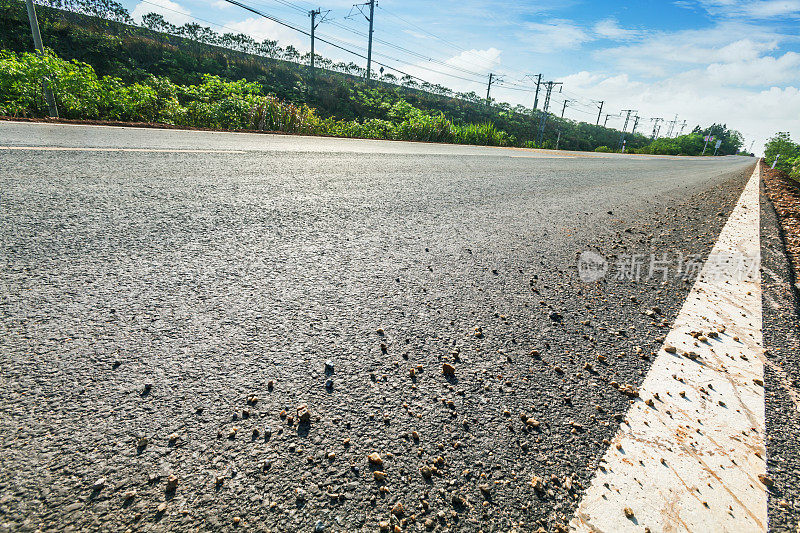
(213, 103)
(786, 151)
(191, 75)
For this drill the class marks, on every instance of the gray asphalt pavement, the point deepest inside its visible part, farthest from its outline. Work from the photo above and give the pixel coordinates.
(147, 296)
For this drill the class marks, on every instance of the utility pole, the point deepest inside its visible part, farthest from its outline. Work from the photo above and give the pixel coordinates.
(682, 126)
(672, 124)
(313, 14)
(625, 127)
(371, 19)
(606, 120)
(37, 43)
(600, 112)
(548, 90)
(655, 126)
(371, 24)
(489, 88)
(565, 107)
(635, 124)
(538, 78)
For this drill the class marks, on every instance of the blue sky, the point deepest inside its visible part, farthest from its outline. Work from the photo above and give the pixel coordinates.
(730, 61)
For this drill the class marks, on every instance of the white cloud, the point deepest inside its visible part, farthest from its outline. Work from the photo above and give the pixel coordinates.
(662, 53)
(476, 60)
(221, 4)
(757, 72)
(172, 12)
(610, 29)
(758, 9)
(553, 35)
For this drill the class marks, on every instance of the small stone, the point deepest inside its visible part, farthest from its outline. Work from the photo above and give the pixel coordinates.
(99, 484)
(383, 525)
(534, 353)
(628, 513)
(375, 459)
(319, 527)
(172, 483)
(129, 495)
(174, 437)
(485, 489)
(538, 484)
(378, 475)
(329, 366)
(758, 382)
(669, 349)
(303, 414)
(448, 369)
(236, 520)
(766, 480)
(426, 471)
(299, 494)
(142, 442)
(161, 507)
(398, 509)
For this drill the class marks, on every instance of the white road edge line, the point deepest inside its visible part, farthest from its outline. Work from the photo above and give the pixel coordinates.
(690, 455)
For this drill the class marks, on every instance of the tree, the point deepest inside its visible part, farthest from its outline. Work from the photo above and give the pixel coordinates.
(290, 53)
(155, 22)
(781, 144)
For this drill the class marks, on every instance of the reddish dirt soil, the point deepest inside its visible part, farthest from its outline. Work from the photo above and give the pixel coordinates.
(784, 193)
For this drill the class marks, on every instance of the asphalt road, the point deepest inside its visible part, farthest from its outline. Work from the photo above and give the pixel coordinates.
(148, 292)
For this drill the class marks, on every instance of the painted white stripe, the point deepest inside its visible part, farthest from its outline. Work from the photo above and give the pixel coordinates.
(82, 149)
(692, 460)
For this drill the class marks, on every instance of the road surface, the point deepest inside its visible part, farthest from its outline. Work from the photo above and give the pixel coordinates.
(154, 282)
